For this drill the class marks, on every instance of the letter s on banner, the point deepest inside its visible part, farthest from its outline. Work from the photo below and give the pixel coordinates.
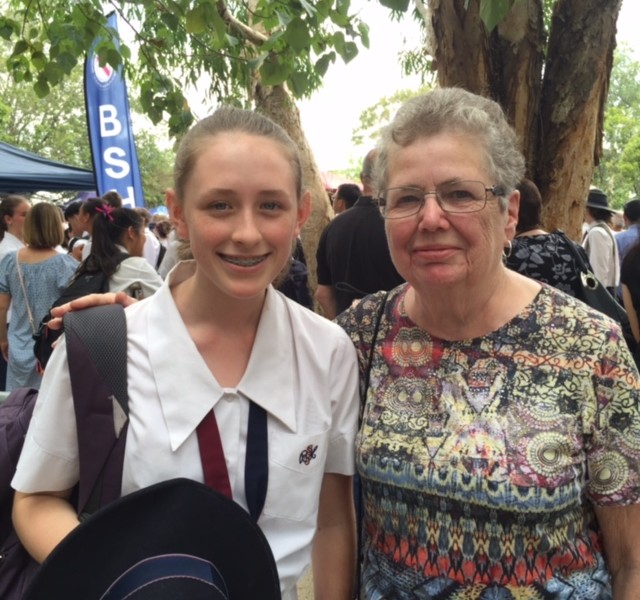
(115, 160)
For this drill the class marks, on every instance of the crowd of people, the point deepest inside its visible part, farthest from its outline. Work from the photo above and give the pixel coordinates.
(45, 247)
(492, 419)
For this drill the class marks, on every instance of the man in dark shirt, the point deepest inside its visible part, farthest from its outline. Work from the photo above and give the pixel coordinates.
(353, 255)
(345, 197)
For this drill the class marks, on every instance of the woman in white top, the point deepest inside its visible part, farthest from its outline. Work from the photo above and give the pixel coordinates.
(13, 212)
(218, 342)
(118, 231)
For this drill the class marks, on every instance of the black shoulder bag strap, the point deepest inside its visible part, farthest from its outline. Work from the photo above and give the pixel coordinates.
(577, 257)
(363, 401)
(96, 341)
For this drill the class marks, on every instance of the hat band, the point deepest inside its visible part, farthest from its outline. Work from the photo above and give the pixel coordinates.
(167, 566)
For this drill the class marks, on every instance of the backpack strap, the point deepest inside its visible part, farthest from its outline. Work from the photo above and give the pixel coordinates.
(96, 341)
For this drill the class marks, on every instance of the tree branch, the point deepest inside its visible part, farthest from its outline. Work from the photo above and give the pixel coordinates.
(249, 34)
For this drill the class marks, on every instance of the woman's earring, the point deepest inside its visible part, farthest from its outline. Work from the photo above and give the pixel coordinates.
(506, 251)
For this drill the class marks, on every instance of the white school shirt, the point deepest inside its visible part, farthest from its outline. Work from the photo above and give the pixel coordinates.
(302, 370)
(135, 269)
(151, 248)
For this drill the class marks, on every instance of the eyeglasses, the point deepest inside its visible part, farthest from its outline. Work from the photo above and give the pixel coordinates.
(453, 197)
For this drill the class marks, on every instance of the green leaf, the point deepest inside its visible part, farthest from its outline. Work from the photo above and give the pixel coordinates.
(20, 47)
(170, 20)
(349, 51)
(298, 83)
(399, 5)
(493, 11)
(39, 60)
(53, 73)
(114, 58)
(67, 61)
(363, 30)
(41, 87)
(273, 72)
(195, 21)
(322, 64)
(297, 35)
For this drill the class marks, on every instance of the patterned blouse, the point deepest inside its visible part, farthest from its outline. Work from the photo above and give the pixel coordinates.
(548, 258)
(481, 459)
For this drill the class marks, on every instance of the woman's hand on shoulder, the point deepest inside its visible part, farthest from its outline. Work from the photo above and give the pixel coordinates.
(87, 302)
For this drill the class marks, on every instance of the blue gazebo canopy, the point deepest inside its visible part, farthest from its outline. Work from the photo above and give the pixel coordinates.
(22, 171)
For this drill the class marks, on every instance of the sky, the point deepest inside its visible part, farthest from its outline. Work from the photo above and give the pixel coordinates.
(331, 114)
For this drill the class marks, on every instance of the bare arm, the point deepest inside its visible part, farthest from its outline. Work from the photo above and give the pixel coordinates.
(43, 520)
(620, 527)
(327, 300)
(631, 311)
(334, 545)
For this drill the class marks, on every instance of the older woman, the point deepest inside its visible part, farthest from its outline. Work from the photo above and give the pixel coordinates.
(500, 444)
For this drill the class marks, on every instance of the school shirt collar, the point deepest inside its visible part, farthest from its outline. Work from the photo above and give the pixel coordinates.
(187, 397)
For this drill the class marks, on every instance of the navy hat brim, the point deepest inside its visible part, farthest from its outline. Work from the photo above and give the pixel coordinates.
(175, 517)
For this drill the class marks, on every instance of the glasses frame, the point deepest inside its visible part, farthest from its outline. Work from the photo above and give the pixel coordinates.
(494, 190)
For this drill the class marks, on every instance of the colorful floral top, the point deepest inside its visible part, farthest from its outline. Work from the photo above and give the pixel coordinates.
(480, 459)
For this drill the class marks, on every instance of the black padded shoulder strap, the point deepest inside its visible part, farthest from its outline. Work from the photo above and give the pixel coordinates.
(96, 341)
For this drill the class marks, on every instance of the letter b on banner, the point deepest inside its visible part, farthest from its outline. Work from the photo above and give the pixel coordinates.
(115, 160)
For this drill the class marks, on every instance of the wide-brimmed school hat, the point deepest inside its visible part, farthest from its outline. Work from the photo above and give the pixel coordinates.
(176, 539)
(598, 199)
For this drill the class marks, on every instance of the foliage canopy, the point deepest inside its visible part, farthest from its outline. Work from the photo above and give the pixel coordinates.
(215, 47)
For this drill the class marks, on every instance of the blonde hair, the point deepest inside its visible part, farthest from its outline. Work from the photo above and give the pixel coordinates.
(225, 120)
(43, 226)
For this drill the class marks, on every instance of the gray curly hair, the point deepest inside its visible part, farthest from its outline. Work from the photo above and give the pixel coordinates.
(458, 111)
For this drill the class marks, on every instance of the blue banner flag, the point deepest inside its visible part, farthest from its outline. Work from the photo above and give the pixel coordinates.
(115, 160)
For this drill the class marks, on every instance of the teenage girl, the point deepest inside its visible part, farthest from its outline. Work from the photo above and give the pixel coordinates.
(243, 347)
(117, 231)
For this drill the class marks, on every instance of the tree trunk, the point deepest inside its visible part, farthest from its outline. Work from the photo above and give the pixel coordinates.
(517, 57)
(556, 108)
(576, 83)
(277, 103)
(461, 46)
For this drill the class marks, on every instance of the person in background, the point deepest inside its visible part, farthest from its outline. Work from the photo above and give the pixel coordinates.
(251, 364)
(31, 278)
(118, 232)
(153, 250)
(617, 222)
(541, 255)
(163, 230)
(352, 255)
(345, 196)
(89, 210)
(79, 237)
(13, 212)
(630, 292)
(599, 241)
(498, 450)
(113, 199)
(630, 236)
